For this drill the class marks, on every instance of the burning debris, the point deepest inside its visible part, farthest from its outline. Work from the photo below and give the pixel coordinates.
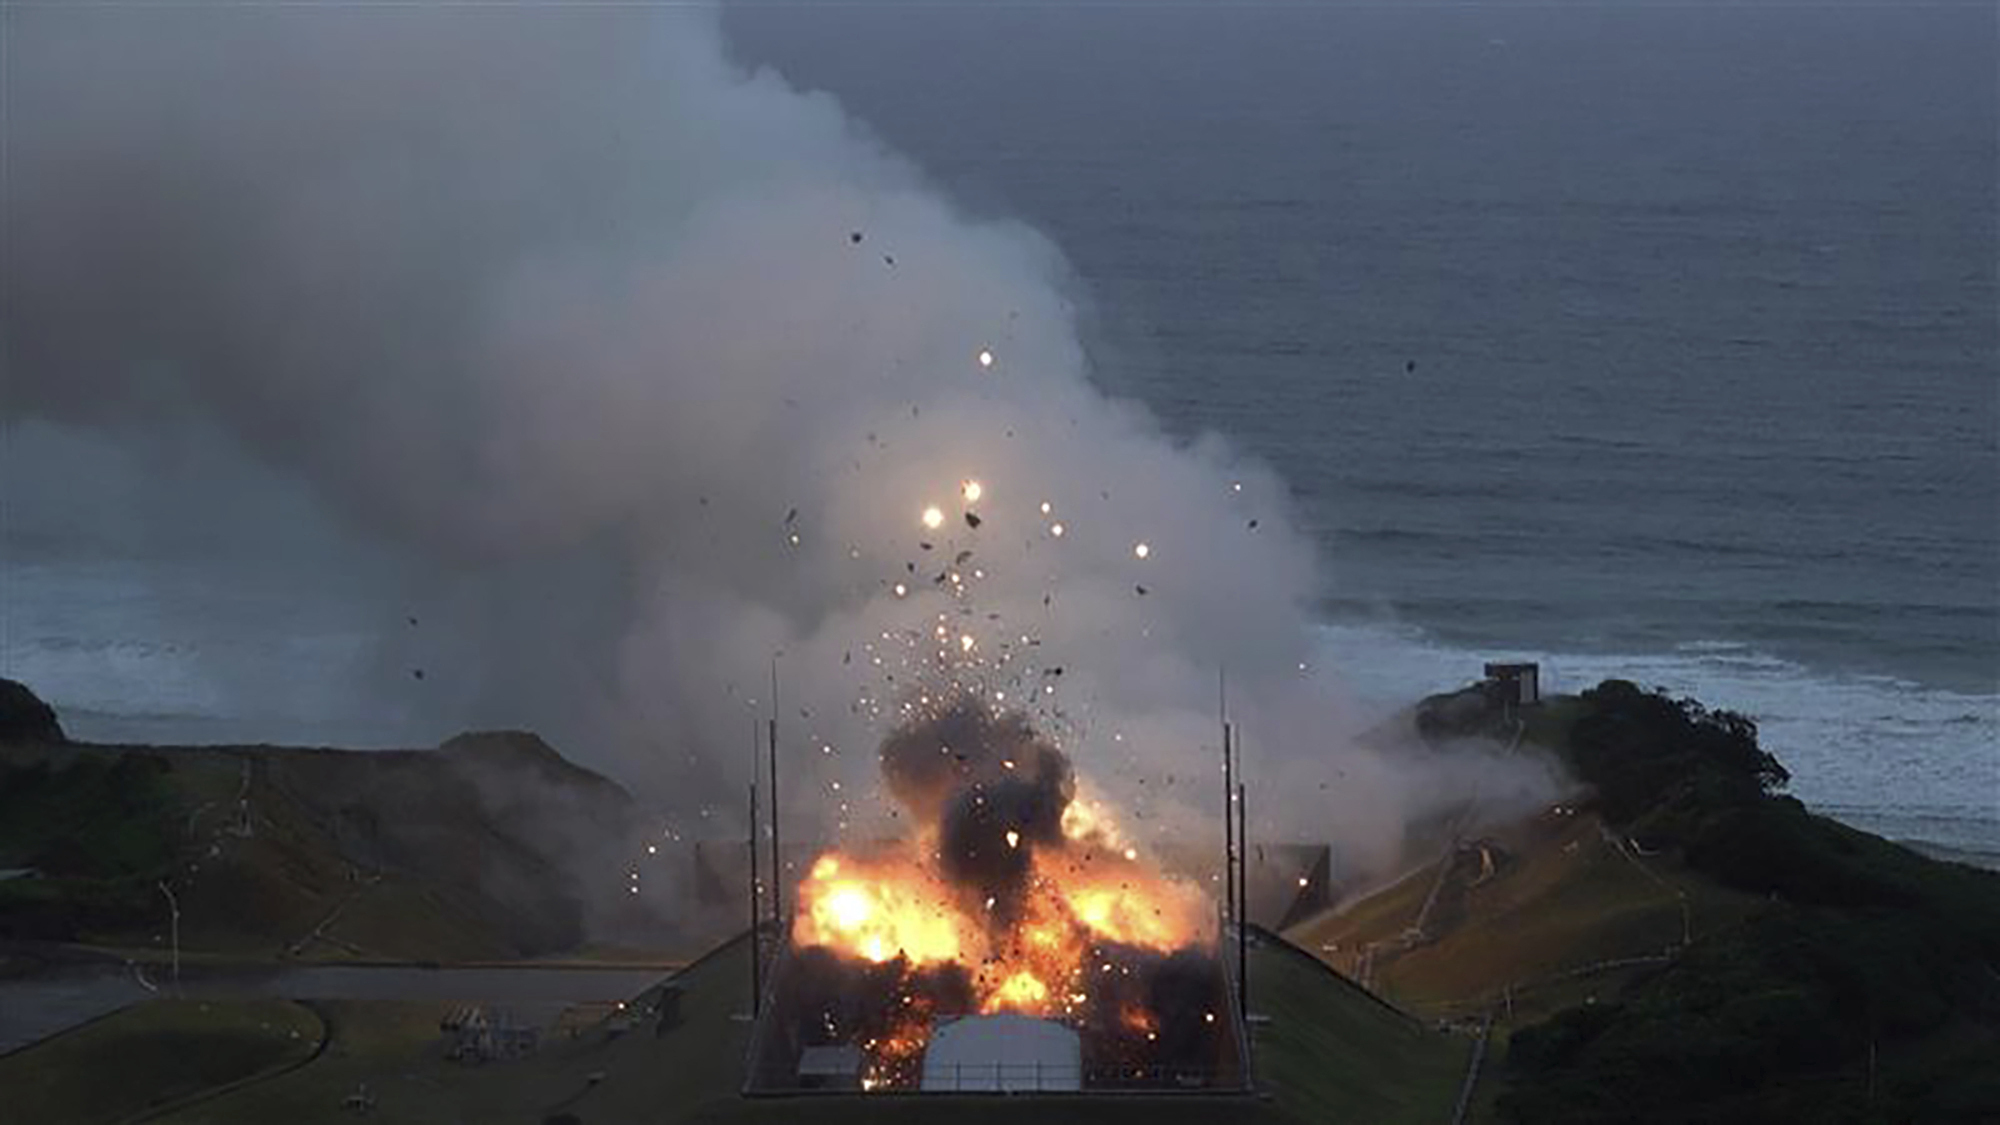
(1013, 895)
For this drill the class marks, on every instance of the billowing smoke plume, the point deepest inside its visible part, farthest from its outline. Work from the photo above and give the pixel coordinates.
(644, 366)
(995, 790)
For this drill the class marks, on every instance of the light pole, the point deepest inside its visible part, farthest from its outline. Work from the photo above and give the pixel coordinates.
(174, 927)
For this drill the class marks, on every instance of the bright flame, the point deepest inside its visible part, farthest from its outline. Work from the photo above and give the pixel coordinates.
(1018, 993)
(1046, 953)
(876, 911)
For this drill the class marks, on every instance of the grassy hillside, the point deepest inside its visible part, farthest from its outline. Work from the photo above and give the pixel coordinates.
(479, 849)
(1682, 942)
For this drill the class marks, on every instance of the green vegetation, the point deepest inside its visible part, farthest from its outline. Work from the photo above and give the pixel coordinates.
(478, 850)
(1681, 942)
(149, 1055)
(389, 1048)
(98, 831)
(1862, 988)
(1333, 1052)
(1562, 899)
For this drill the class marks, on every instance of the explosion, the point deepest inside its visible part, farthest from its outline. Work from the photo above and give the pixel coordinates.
(1013, 895)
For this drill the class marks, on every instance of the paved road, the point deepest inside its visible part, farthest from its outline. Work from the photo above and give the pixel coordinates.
(32, 1008)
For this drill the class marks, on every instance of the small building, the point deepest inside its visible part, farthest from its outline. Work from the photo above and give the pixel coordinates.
(1003, 1053)
(1515, 685)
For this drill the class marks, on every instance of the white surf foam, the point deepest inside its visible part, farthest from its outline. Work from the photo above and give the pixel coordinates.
(1892, 756)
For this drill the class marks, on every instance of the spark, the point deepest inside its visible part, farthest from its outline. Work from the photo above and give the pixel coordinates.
(1047, 507)
(1303, 880)
(965, 642)
(1013, 838)
(1131, 853)
(1056, 530)
(902, 590)
(933, 517)
(652, 849)
(985, 357)
(973, 490)
(1141, 549)
(1236, 486)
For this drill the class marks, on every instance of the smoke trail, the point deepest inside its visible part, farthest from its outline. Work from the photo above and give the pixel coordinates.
(650, 366)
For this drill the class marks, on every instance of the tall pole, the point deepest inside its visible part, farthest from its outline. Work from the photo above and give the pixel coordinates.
(756, 896)
(1242, 904)
(1228, 822)
(1228, 794)
(777, 860)
(174, 910)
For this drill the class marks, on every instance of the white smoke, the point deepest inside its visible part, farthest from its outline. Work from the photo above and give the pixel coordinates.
(569, 311)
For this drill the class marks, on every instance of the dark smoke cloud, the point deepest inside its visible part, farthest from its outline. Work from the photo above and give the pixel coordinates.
(981, 777)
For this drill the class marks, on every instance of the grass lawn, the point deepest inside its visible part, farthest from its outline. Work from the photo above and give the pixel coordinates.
(1333, 1053)
(1328, 1052)
(151, 1054)
(390, 1047)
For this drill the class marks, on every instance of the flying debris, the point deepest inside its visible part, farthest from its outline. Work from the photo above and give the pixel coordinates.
(417, 673)
(855, 238)
(1141, 589)
(972, 520)
(1410, 367)
(413, 622)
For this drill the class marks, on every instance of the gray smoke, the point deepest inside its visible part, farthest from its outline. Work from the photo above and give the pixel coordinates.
(643, 366)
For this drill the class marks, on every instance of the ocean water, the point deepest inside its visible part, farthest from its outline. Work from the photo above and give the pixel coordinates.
(1650, 342)
(1700, 301)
